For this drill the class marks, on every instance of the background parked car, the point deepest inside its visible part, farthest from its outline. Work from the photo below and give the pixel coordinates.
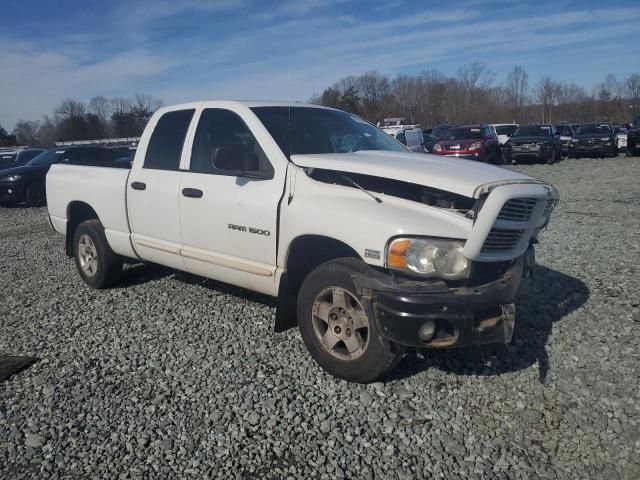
(15, 158)
(504, 131)
(27, 182)
(538, 143)
(410, 135)
(431, 136)
(474, 142)
(566, 134)
(593, 140)
(621, 138)
(633, 138)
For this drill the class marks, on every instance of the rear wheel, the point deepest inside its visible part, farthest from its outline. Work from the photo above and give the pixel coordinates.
(97, 264)
(35, 195)
(336, 328)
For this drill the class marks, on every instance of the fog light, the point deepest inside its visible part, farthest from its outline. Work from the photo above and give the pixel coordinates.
(427, 331)
(9, 191)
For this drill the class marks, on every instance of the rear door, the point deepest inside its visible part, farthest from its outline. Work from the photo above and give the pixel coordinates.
(153, 200)
(229, 221)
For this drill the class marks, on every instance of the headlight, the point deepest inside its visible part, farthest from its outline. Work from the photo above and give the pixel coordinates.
(574, 140)
(10, 178)
(429, 257)
(475, 146)
(437, 147)
(606, 141)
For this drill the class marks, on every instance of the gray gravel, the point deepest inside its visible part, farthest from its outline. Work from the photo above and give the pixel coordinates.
(173, 376)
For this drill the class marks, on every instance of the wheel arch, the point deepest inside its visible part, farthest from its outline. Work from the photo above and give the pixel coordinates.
(77, 212)
(304, 253)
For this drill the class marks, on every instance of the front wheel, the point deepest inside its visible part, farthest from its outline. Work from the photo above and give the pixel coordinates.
(336, 328)
(35, 195)
(97, 264)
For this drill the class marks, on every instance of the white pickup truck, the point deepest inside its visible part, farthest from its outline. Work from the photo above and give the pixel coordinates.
(368, 247)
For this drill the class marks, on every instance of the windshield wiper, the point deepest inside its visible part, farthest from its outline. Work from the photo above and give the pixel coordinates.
(353, 182)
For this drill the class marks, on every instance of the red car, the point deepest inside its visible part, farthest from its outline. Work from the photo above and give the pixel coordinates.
(474, 142)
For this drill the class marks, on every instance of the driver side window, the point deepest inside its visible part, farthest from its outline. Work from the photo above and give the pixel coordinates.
(223, 128)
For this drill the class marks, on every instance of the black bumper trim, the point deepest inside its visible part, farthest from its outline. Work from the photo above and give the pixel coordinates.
(457, 316)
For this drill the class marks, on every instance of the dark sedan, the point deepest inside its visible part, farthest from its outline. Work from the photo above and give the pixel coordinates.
(539, 143)
(27, 183)
(593, 140)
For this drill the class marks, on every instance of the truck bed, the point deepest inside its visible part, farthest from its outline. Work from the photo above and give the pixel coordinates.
(103, 188)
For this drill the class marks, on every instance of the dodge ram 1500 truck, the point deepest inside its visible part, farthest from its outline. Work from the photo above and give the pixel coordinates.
(369, 248)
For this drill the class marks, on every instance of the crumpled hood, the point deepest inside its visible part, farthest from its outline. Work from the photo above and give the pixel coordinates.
(450, 174)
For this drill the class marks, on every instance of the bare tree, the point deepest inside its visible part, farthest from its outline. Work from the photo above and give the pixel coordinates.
(517, 89)
(101, 107)
(70, 108)
(548, 91)
(473, 76)
(26, 132)
(632, 92)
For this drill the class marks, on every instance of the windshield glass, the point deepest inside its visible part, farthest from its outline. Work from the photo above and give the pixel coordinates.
(533, 131)
(594, 129)
(50, 156)
(620, 130)
(564, 130)
(308, 130)
(463, 134)
(507, 130)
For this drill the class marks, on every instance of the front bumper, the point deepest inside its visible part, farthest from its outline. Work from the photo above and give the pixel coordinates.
(539, 155)
(587, 150)
(11, 193)
(447, 317)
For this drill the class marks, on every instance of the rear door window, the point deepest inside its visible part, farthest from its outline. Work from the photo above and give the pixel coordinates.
(167, 139)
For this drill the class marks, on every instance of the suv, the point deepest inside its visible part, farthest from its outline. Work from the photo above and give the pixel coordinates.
(533, 142)
(473, 142)
(593, 140)
(431, 136)
(504, 131)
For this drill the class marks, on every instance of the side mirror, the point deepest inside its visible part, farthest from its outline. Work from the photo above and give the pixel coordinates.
(236, 157)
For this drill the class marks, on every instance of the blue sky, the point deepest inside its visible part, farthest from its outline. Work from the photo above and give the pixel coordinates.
(182, 50)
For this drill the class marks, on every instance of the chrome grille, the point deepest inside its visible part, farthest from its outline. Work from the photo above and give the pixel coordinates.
(501, 240)
(518, 209)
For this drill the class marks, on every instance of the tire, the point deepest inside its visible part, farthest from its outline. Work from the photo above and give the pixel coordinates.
(35, 195)
(552, 158)
(358, 352)
(97, 264)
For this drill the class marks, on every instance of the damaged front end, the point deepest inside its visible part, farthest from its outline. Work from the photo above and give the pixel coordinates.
(439, 314)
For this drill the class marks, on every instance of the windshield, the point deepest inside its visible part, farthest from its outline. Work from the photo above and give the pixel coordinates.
(507, 130)
(308, 130)
(620, 130)
(533, 131)
(594, 129)
(463, 134)
(48, 157)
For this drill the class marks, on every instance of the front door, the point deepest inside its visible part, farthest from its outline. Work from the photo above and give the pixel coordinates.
(153, 199)
(229, 221)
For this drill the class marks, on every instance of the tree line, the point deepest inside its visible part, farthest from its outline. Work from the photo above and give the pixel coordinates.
(473, 95)
(72, 119)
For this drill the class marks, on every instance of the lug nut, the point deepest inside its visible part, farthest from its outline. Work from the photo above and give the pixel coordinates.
(337, 330)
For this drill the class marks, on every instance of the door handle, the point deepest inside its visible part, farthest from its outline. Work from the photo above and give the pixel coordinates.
(138, 186)
(192, 192)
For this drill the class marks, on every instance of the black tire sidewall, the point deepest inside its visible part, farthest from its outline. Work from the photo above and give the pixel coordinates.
(380, 355)
(35, 194)
(108, 262)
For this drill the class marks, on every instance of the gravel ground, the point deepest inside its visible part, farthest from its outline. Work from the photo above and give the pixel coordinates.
(172, 376)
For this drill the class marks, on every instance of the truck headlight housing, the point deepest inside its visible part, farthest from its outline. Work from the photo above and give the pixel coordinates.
(429, 257)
